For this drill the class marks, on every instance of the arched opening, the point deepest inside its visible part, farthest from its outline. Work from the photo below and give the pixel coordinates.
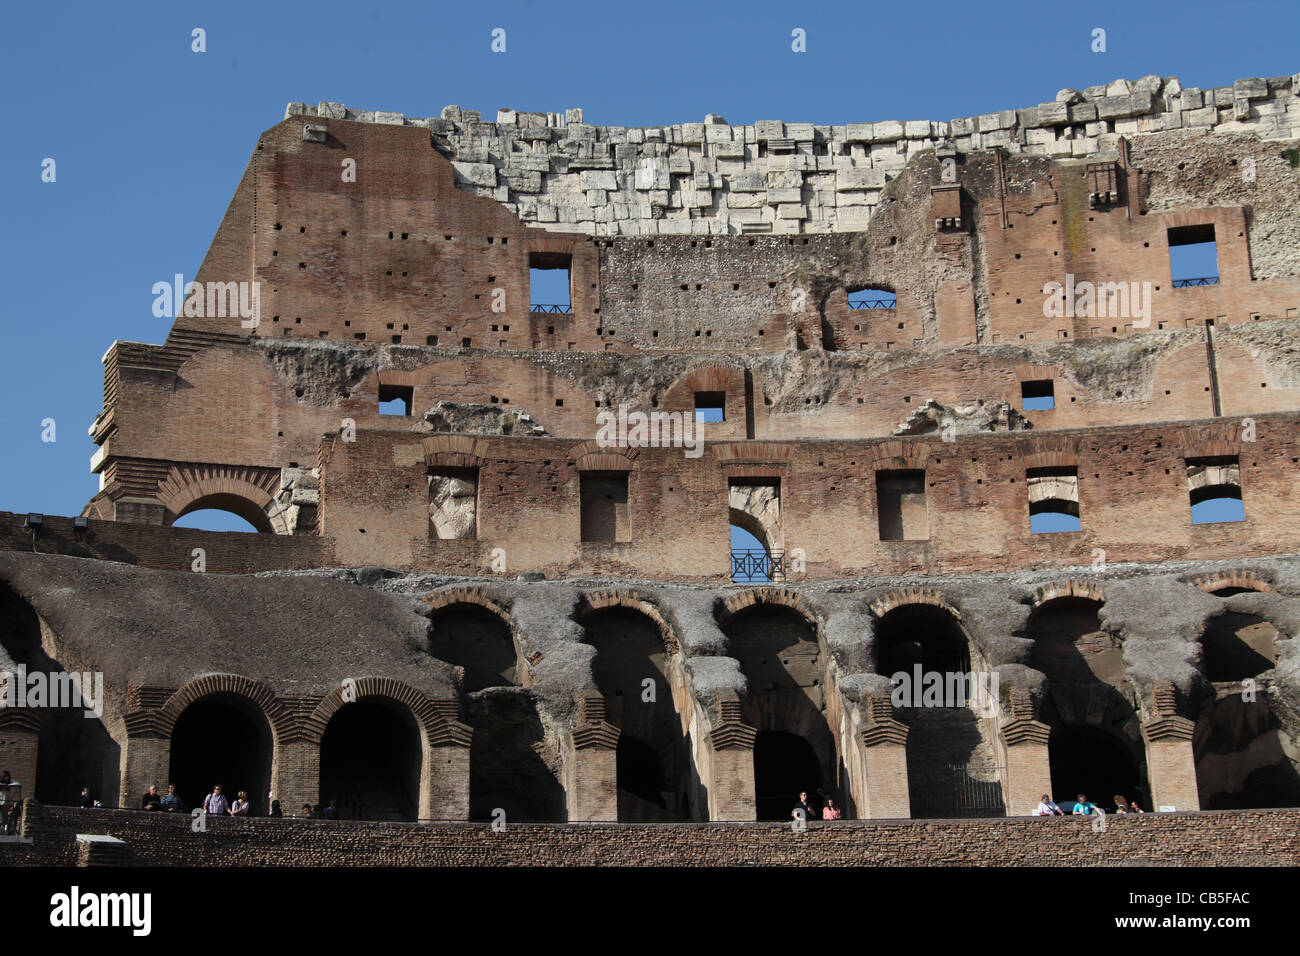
(631, 672)
(510, 765)
(1054, 514)
(232, 505)
(920, 634)
(785, 672)
(1099, 765)
(1242, 759)
(1238, 646)
(751, 560)
(951, 764)
(478, 640)
(1216, 504)
(214, 519)
(222, 739)
(785, 765)
(1070, 644)
(370, 757)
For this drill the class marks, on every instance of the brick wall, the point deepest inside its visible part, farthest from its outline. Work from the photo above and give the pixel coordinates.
(1221, 838)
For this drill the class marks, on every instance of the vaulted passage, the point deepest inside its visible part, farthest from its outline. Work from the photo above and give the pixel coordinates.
(1070, 645)
(785, 765)
(370, 762)
(474, 638)
(1095, 763)
(1237, 646)
(783, 665)
(630, 670)
(1241, 758)
(508, 755)
(222, 739)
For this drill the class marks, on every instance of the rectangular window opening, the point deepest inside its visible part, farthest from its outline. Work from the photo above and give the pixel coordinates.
(1038, 395)
(710, 406)
(453, 503)
(1193, 256)
(604, 516)
(900, 500)
(550, 282)
(1214, 490)
(1053, 499)
(396, 399)
(871, 297)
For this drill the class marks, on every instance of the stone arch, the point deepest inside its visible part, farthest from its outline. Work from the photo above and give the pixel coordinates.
(635, 649)
(893, 600)
(1086, 590)
(598, 600)
(778, 642)
(1070, 643)
(498, 663)
(247, 492)
(226, 729)
(1234, 581)
(432, 719)
(453, 451)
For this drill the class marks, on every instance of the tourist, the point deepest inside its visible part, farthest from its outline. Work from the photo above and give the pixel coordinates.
(830, 811)
(1048, 808)
(87, 800)
(802, 805)
(1134, 808)
(276, 810)
(240, 808)
(215, 804)
(170, 802)
(151, 800)
(307, 812)
(1121, 805)
(333, 810)
(1082, 807)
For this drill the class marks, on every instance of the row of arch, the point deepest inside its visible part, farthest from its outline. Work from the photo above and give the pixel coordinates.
(374, 751)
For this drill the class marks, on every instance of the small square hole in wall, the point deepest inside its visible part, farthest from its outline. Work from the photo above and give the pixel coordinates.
(431, 340)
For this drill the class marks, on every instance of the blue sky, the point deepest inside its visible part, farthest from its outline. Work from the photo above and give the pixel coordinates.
(150, 138)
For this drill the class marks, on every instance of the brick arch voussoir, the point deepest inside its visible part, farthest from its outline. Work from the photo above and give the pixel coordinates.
(735, 604)
(434, 726)
(255, 692)
(1087, 590)
(1250, 580)
(600, 600)
(893, 600)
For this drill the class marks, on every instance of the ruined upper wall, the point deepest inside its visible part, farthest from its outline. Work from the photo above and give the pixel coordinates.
(709, 178)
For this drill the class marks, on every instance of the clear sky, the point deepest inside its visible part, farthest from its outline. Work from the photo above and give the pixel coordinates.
(149, 138)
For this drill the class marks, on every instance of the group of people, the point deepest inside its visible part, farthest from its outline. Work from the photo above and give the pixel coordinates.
(1084, 807)
(829, 812)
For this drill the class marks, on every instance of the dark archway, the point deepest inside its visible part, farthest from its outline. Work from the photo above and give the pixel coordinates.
(1238, 646)
(1095, 763)
(784, 766)
(221, 739)
(370, 757)
(630, 652)
(785, 672)
(921, 634)
(474, 638)
(1070, 644)
(510, 765)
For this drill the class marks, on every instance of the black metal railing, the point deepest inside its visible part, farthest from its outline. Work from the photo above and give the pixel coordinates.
(551, 308)
(754, 565)
(950, 792)
(1203, 280)
(890, 303)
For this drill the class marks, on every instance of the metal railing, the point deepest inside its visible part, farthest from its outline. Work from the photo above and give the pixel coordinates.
(1203, 280)
(754, 565)
(551, 308)
(950, 792)
(890, 303)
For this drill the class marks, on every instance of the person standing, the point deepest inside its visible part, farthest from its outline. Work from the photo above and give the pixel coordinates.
(1082, 807)
(1047, 808)
(215, 804)
(241, 806)
(151, 800)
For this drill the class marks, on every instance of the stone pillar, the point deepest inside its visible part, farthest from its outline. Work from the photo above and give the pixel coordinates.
(146, 761)
(731, 745)
(295, 778)
(591, 764)
(444, 777)
(1029, 772)
(1171, 764)
(883, 745)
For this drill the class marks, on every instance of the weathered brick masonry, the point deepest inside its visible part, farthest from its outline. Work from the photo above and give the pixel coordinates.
(1224, 838)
